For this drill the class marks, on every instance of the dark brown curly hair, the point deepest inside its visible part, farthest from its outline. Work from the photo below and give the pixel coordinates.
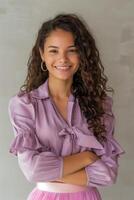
(89, 82)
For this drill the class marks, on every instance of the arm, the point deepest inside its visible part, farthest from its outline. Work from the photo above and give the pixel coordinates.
(104, 171)
(38, 162)
(76, 178)
(77, 161)
(45, 166)
(100, 174)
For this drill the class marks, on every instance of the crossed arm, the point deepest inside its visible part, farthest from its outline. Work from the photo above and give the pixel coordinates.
(76, 178)
(73, 169)
(39, 164)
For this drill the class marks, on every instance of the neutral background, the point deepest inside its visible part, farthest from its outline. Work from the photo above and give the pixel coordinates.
(111, 22)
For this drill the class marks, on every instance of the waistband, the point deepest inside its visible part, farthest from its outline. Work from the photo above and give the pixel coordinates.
(60, 187)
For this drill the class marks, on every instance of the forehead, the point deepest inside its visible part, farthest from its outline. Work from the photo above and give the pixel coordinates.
(59, 37)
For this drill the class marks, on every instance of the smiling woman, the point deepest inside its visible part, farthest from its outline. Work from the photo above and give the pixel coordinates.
(62, 119)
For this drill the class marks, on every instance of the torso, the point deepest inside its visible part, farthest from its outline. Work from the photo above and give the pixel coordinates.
(61, 106)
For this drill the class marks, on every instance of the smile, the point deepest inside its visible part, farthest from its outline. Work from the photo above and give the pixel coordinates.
(62, 68)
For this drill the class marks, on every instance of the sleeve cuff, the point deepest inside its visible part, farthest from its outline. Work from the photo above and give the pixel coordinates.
(61, 167)
(97, 174)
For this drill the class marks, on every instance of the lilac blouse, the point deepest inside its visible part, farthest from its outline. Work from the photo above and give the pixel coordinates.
(43, 137)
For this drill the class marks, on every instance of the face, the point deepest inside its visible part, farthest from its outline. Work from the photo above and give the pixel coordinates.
(60, 55)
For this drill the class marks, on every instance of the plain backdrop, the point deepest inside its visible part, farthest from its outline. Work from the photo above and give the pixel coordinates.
(111, 23)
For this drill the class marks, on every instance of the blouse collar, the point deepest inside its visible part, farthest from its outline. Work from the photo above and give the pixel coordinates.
(42, 92)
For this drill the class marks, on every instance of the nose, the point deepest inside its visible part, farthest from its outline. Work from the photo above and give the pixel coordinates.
(63, 57)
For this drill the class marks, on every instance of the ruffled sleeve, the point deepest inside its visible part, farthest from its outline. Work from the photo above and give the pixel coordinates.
(104, 171)
(25, 141)
(38, 162)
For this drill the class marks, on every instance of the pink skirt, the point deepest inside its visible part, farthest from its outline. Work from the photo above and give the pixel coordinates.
(59, 191)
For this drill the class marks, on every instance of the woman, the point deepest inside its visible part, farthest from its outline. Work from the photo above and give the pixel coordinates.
(62, 119)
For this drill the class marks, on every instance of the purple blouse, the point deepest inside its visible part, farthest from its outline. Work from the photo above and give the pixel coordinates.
(43, 137)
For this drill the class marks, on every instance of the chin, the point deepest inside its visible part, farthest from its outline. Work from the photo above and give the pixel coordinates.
(64, 78)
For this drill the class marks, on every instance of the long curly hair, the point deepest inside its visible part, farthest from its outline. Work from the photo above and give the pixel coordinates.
(89, 82)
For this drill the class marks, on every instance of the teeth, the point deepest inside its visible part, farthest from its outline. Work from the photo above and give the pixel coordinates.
(64, 68)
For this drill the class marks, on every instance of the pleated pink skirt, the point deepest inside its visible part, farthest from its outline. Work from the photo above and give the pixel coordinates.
(59, 191)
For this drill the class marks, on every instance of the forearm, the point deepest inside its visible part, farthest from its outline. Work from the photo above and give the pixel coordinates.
(74, 168)
(75, 162)
(76, 178)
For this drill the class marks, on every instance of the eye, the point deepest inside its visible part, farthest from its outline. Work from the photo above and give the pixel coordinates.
(53, 51)
(73, 50)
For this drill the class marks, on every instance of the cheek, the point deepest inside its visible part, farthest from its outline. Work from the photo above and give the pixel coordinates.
(76, 60)
(49, 61)
(73, 58)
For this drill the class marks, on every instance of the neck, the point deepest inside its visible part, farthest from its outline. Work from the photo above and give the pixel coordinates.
(59, 89)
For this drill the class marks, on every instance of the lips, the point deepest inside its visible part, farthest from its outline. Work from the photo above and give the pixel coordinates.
(63, 67)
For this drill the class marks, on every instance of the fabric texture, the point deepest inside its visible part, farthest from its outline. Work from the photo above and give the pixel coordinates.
(43, 137)
(92, 194)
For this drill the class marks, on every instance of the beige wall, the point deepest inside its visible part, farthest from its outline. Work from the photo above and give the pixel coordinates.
(111, 22)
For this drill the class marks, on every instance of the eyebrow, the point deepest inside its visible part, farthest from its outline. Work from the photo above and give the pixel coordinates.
(58, 47)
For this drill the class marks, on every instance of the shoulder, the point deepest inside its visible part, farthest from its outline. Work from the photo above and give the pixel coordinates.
(21, 103)
(21, 97)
